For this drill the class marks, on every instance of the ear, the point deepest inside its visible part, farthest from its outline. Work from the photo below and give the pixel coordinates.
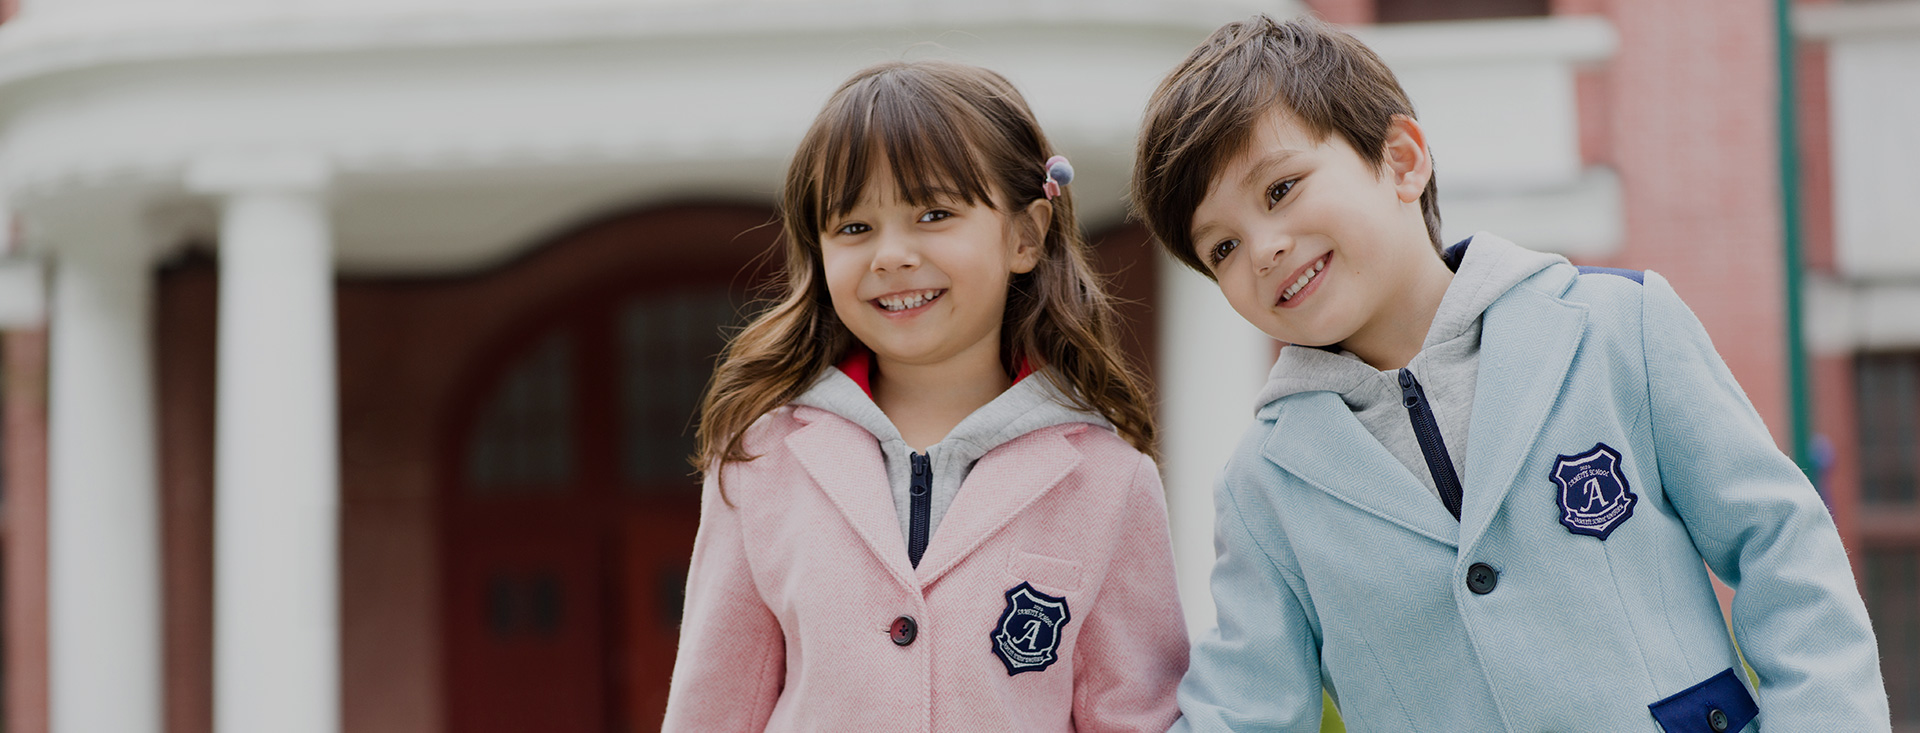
(1408, 161)
(1031, 236)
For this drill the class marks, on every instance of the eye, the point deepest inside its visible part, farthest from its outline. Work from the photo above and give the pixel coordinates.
(1279, 191)
(851, 228)
(935, 215)
(1221, 250)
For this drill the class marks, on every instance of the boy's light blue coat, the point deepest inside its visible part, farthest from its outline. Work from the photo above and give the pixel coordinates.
(1336, 568)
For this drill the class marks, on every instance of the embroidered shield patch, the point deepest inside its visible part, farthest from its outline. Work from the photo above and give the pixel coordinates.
(1594, 495)
(1028, 635)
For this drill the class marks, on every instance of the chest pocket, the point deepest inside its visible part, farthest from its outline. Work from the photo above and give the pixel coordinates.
(1051, 574)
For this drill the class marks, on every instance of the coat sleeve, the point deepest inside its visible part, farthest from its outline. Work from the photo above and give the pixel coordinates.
(1259, 668)
(732, 658)
(1129, 656)
(1759, 524)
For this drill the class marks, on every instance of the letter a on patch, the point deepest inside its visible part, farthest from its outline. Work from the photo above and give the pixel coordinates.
(1027, 639)
(1594, 495)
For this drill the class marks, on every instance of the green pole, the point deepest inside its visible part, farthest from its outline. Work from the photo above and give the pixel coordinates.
(1791, 258)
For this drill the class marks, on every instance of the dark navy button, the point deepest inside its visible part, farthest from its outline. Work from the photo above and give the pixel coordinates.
(903, 630)
(1717, 720)
(1482, 578)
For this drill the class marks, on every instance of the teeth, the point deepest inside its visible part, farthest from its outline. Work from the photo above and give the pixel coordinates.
(1305, 278)
(905, 301)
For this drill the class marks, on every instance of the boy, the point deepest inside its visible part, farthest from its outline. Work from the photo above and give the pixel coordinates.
(1481, 481)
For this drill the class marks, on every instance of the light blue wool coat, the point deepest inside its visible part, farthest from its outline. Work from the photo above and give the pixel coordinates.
(1337, 568)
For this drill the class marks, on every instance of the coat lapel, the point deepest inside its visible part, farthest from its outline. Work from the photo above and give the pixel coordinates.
(1357, 470)
(844, 461)
(1527, 345)
(1005, 481)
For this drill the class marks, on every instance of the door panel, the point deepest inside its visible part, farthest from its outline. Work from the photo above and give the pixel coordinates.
(655, 546)
(526, 624)
(573, 510)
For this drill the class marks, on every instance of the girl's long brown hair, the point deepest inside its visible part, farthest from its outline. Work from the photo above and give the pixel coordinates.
(937, 126)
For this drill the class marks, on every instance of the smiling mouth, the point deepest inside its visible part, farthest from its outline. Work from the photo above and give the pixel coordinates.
(1306, 278)
(907, 300)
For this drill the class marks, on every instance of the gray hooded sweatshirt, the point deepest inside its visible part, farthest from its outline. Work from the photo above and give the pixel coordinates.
(1449, 360)
(1030, 404)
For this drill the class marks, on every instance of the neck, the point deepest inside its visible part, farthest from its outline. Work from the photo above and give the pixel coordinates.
(1398, 331)
(926, 401)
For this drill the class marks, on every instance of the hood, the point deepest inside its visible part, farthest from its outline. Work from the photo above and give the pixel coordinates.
(1485, 268)
(1032, 403)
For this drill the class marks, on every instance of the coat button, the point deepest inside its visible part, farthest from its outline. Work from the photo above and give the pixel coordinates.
(1482, 578)
(1717, 720)
(903, 630)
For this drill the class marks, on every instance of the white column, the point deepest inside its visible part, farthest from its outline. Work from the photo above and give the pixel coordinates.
(276, 465)
(103, 513)
(23, 291)
(1212, 364)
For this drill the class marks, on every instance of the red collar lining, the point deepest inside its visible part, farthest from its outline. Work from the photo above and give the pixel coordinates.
(858, 366)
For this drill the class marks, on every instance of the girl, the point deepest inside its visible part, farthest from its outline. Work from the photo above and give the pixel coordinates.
(928, 504)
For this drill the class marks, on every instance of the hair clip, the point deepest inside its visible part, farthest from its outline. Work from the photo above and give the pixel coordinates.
(1059, 173)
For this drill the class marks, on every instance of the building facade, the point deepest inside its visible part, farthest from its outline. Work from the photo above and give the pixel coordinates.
(351, 348)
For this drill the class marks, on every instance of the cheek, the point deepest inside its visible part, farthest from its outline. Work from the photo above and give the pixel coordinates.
(843, 273)
(1242, 294)
(972, 268)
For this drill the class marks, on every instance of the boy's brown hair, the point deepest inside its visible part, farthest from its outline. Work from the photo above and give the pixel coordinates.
(1204, 113)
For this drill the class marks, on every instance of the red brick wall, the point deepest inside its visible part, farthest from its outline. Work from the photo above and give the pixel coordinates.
(1343, 11)
(1691, 118)
(25, 527)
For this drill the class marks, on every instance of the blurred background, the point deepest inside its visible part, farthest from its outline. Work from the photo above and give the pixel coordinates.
(392, 314)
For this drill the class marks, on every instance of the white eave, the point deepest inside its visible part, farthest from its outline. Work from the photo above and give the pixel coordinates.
(459, 134)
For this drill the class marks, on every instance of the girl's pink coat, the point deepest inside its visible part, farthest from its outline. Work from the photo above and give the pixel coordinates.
(793, 588)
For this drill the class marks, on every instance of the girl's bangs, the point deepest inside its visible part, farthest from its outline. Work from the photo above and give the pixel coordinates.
(922, 132)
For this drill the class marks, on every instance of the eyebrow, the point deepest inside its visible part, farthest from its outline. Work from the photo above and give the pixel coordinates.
(1271, 160)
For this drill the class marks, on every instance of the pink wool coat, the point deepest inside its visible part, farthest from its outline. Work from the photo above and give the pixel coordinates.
(795, 588)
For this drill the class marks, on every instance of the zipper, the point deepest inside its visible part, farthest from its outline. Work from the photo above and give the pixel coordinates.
(920, 507)
(1427, 431)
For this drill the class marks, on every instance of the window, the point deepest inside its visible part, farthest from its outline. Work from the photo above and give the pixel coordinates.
(669, 345)
(1887, 408)
(523, 442)
(1887, 388)
(1893, 593)
(1401, 11)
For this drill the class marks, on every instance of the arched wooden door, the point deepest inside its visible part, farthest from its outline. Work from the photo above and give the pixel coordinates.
(570, 509)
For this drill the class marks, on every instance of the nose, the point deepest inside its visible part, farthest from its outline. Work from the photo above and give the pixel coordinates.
(1268, 247)
(895, 251)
